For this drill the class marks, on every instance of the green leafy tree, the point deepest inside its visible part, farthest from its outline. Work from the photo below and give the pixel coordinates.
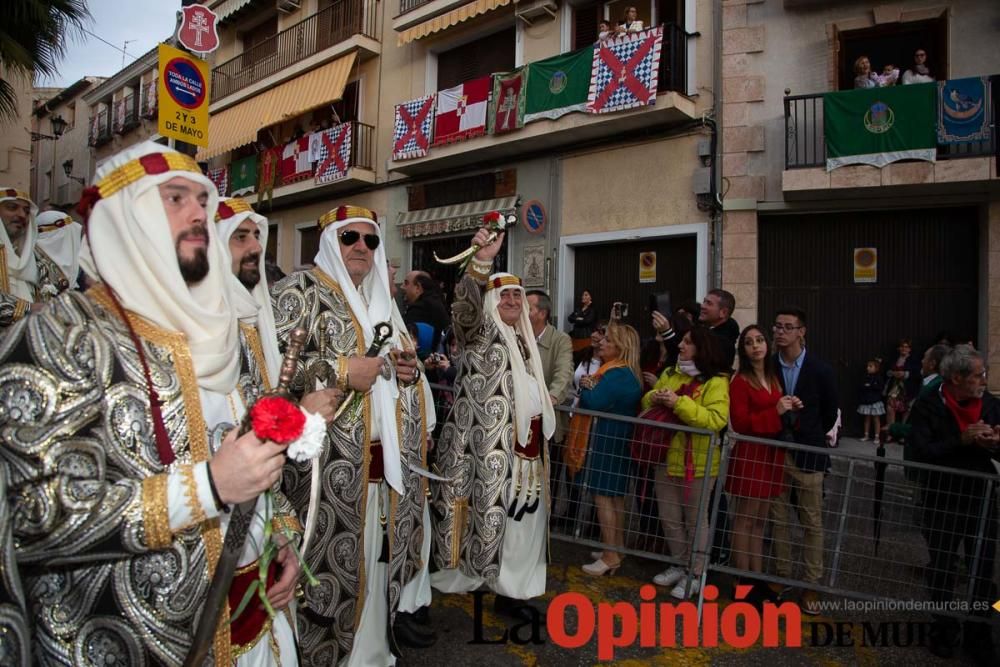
(32, 41)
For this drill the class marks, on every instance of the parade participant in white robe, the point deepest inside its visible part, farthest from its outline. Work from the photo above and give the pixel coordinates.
(28, 277)
(60, 237)
(370, 503)
(494, 523)
(125, 453)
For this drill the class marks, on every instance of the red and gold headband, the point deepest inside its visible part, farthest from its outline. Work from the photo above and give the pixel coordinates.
(230, 207)
(57, 224)
(346, 212)
(504, 281)
(15, 194)
(130, 172)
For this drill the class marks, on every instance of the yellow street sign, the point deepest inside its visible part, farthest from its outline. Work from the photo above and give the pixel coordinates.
(183, 96)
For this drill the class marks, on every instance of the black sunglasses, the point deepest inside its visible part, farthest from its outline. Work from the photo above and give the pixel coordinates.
(349, 237)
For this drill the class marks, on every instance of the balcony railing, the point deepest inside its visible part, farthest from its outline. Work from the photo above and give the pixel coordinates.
(101, 134)
(362, 156)
(334, 24)
(129, 117)
(410, 5)
(673, 60)
(805, 141)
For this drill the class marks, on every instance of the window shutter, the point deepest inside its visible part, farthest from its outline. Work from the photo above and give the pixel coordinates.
(585, 21)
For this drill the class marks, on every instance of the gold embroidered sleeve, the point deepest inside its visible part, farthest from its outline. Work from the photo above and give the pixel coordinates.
(12, 309)
(155, 513)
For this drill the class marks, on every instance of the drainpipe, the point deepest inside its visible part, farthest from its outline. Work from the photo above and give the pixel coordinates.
(713, 123)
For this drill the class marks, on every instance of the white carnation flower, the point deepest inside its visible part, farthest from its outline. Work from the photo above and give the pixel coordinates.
(310, 443)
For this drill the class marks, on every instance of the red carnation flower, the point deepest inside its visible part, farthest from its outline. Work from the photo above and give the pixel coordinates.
(491, 217)
(277, 419)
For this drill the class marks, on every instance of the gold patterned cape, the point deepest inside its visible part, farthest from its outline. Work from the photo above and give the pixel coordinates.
(51, 282)
(314, 301)
(476, 447)
(106, 580)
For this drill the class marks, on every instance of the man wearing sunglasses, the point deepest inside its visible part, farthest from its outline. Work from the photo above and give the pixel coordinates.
(371, 504)
(494, 446)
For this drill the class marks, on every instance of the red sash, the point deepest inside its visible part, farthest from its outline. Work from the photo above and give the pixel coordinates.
(253, 621)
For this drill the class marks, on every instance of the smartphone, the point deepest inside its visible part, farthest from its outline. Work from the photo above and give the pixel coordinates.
(661, 301)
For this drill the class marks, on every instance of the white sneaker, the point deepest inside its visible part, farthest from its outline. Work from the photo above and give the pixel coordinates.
(670, 576)
(678, 591)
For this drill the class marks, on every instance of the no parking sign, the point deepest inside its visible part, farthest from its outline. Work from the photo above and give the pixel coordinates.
(183, 96)
(533, 217)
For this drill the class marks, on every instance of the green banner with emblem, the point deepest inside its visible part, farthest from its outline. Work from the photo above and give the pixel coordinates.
(878, 126)
(558, 85)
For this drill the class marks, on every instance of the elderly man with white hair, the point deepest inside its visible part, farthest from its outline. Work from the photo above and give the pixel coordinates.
(365, 494)
(493, 524)
(28, 276)
(118, 413)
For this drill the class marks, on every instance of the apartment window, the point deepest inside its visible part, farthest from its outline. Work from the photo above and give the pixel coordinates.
(308, 245)
(459, 190)
(894, 44)
(492, 53)
(258, 42)
(346, 108)
(650, 12)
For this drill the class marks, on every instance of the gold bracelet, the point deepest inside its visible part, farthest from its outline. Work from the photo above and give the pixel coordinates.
(479, 270)
(343, 376)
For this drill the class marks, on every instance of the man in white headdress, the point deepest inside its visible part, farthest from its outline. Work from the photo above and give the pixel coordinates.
(493, 515)
(27, 275)
(369, 508)
(118, 419)
(60, 237)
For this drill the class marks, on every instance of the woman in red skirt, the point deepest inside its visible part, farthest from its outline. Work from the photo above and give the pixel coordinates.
(756, 472)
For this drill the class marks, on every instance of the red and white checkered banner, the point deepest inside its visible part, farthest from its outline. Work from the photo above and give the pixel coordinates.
(333, 153)
(414, 128)
(221, 179)
(624, 73)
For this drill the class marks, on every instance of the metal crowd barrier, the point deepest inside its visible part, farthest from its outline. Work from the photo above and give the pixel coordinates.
(880, 518)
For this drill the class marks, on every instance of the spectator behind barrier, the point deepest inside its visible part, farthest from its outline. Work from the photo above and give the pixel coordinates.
(959, 427)
(615, 388)
(695, 392)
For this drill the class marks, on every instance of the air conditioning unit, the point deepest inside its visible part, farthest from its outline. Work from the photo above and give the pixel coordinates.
(289, 6)
(531, 10)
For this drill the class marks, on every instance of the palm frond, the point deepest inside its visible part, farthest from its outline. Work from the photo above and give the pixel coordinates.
(33, 40)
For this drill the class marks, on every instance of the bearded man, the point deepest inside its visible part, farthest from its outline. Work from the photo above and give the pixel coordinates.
(493, 515)
(28, 277)
(60, 237)
(120, 452)
(370, 500)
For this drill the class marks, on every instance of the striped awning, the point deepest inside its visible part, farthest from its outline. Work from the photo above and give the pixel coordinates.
(228, 7)
(454, 17)
(238, 125)
(455, 218)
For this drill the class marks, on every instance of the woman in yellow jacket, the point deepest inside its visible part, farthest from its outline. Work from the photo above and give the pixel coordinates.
(697, 391)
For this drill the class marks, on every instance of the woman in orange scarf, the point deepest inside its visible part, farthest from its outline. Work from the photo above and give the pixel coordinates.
(615, 388)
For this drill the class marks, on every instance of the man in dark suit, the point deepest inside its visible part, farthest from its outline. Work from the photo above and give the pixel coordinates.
(717, 314)
(809, 410)
(425, 303)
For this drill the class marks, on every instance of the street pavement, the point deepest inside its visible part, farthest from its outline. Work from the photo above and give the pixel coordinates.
(453, 615)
